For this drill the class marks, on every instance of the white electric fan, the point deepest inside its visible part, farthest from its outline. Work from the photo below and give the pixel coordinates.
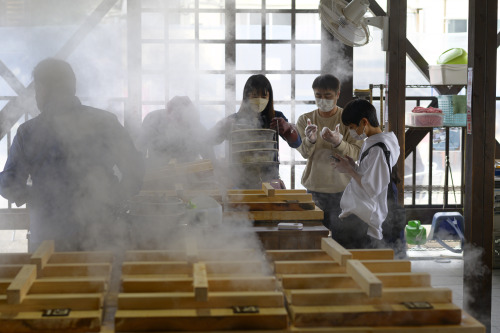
(346, 22)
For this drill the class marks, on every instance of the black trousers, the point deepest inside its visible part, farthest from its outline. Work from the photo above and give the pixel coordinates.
(329, 203)
(350, 232)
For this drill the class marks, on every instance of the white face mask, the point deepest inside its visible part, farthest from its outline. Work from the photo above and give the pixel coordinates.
(356, 136)
(325, 105)
(258, 104)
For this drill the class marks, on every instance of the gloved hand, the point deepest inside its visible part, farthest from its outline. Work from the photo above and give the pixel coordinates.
(334, 137)
(311, 131)
(285, 129)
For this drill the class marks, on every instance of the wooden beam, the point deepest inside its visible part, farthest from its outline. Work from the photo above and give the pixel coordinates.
(346, 296)
(200, 282)
(268, 189)
(335, 250)
(497, 150)
(366, 280)
(326, 267)
(198, 320)
(191, 246)
(68, 270)
(186, 300)
(32, 321)
(374, 315)
(413, 136)
(282, 255)
(75, 301)
(372, 254)
(18, 289)
(479, 160)
(42, 255)
(342, 280)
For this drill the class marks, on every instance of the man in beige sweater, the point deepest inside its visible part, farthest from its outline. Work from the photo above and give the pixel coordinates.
(324, 135)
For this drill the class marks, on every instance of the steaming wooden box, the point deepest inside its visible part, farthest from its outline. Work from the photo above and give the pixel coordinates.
(198, 289)
(53, 292)
(339, 290)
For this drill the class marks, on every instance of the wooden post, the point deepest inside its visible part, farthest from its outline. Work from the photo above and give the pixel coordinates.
(479, 161)
(19, 287)
(200, 282)
(368, 282)
(268, 189)
(335, 250)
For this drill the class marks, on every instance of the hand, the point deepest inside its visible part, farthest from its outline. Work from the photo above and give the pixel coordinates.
(334, 137)
(351, 161)
(280, 124)
(343, 165)
(311, 131)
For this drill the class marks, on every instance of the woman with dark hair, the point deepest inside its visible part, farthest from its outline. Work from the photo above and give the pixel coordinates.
(256, 112)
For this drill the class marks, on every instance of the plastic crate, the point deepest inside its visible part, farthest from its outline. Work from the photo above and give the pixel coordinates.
(451, 119)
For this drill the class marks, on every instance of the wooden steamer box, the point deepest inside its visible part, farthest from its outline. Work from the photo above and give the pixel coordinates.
(339, 290)
(49, 291)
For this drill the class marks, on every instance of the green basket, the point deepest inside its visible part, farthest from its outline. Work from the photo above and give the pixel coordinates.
(450, 118)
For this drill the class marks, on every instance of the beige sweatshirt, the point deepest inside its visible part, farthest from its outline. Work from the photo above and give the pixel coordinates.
(319, 175)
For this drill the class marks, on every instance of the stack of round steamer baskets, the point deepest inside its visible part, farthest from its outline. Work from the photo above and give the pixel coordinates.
(254, 157)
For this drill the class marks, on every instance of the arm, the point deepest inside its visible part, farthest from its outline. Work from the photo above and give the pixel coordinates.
(220, 132)
(306, 149)
(15, 174)
(286, 130)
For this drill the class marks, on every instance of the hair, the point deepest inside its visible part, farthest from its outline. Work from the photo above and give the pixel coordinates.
(57, 74)
(358, 109)
(326, 82)
(261, 84)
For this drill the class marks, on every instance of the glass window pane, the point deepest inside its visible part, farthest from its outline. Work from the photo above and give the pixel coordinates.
(308, 26)
(303, 87)
(181, 26)
(153, 56)
(306, 4)
(299, 170)
(281, 84)
(278, 57)
(181, 57)
(212, 26)
(178, 3)
(212, 87)
(212, 56)
(278, 26)
(153, 88)
(246, 4)
(248, 56)
(285, 172)
(308, 57)
(182, 83)
(279, 4)
(214, 4)
(248, 26)
(152, 25)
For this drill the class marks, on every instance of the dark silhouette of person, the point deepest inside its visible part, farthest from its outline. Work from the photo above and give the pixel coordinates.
(73, 165)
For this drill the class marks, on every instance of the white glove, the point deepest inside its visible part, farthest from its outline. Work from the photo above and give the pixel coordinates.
(311, 131)
(334, 137)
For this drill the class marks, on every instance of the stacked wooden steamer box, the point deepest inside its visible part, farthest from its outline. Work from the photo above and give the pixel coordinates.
(47, 291)
(199, 288)
(339, 290)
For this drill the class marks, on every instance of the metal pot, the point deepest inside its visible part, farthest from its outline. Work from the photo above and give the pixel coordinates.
(246, 135)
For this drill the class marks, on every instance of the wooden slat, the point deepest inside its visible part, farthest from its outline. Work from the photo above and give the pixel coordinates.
(9, 271)
(277, 191)
(42, 255)
(81, 270)
(81, 257)
(323, 281)
(374, 315)
(271, 206)
(142, 255)
(88, 284)
(185, 300)
(199, 320)
(304, 215)
(242, 198)
(171, 267)
(268, 190)
(366, 280)
(29, 322)
(19, 287)
(76, 302)
(185, 284)
(284, 255)
(310, 267)
(14, 258)
(200, 282)
(335, 250)
(372, 254)
(345, 296)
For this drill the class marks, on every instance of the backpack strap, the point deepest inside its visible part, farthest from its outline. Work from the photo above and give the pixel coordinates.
(392, 188)
(387, 154)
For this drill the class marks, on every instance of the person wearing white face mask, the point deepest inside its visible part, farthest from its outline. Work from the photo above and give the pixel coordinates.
(257, 112)
(324, 135)
(364, 203)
